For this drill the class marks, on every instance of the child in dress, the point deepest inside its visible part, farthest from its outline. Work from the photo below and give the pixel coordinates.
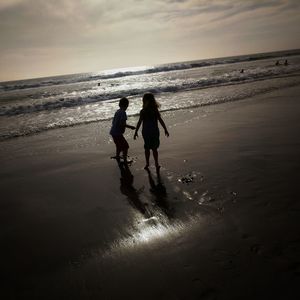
(118, 128)
(149, 117)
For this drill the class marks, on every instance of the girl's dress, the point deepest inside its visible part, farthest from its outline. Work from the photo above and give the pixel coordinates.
(150, 130)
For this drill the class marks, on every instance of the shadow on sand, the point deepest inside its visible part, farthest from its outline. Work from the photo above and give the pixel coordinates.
(127, 189)
(157, 190)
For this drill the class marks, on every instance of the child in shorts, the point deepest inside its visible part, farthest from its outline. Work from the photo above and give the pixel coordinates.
(118, 128)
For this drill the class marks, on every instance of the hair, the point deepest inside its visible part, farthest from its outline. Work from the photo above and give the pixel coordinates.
(123, 102)
(149, 102)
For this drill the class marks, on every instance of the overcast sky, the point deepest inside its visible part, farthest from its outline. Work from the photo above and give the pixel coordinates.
(51, 37)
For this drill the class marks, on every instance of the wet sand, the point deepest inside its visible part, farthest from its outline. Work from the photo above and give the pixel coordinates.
(220, 222)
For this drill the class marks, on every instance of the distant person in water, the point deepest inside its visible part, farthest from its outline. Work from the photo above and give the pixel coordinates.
(150, 117)
(277, 63)
(118, 128)
(286, 62)
(242, 71)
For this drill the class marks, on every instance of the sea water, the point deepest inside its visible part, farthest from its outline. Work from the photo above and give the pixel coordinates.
(36, 105)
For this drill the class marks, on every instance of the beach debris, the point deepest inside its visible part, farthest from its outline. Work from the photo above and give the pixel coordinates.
(204, 198)
(190, 177)
(187, 195)
(233, 195)
(186, 179)
(133, 159)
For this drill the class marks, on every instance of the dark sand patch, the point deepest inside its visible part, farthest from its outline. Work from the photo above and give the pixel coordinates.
(221, 221)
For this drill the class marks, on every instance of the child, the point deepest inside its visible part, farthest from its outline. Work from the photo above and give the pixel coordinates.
(150, 116)
(118, 128)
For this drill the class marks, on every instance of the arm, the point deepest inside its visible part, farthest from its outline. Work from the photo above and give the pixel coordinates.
(129, 126)
(137, 128)
(161, 121)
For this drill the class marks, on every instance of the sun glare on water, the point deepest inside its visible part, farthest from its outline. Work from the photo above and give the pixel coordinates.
(125, 70)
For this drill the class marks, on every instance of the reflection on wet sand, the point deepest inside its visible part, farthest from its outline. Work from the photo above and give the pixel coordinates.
(149, 233)
(154, 220)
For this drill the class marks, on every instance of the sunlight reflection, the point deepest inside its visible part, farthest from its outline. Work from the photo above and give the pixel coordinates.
(123, 70)
(151, 231)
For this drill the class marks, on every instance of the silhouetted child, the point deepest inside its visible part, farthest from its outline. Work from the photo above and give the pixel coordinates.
(150, 117)
(118, 128)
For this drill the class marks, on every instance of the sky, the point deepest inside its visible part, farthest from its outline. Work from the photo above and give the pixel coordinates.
(40, 38)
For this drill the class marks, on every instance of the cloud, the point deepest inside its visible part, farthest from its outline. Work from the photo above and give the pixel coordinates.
(86, 18)
(4, 4)
(138, 31)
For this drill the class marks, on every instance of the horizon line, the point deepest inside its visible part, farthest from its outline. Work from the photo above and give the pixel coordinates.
(181, 61)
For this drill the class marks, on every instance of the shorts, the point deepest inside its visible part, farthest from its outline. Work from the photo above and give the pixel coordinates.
(120, 142)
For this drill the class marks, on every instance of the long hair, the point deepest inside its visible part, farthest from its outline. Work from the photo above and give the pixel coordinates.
(149, 102)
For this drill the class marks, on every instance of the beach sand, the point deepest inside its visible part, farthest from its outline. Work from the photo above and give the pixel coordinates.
(220, 222)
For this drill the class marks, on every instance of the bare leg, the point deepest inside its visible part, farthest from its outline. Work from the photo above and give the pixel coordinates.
(118, 151)
(125, 152)
(155, 155)
(147, 156)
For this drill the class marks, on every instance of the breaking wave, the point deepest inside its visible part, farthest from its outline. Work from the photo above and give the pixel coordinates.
(85, 77)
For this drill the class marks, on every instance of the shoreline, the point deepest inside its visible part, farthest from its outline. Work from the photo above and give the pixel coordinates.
(230, 232)
(221, 94)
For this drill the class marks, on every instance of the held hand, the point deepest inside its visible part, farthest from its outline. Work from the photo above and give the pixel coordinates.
(135, 136)
(167, 133)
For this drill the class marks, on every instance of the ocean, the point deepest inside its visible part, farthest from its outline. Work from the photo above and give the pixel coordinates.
(35, 105)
